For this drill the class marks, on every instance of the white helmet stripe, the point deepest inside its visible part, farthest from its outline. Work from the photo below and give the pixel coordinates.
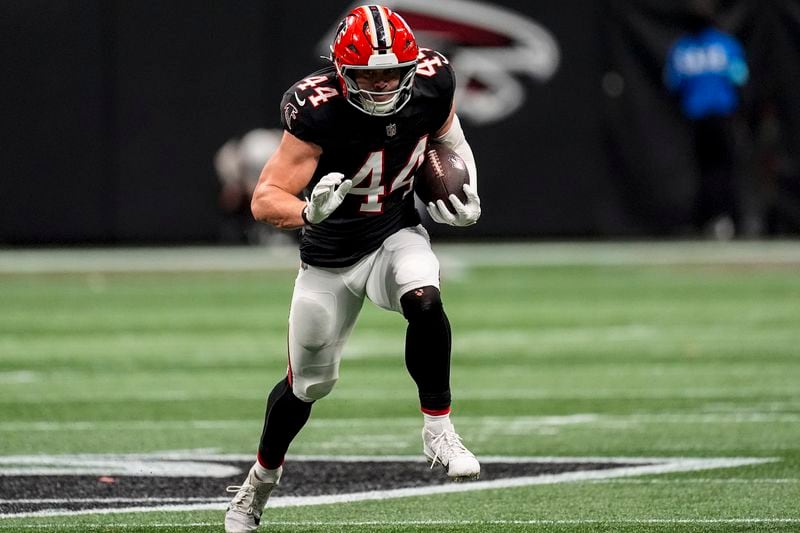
(371, 23)
(385, 24)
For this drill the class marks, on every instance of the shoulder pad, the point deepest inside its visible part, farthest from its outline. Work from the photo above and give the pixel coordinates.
(431, 63)
(307, 104)
(435, 77)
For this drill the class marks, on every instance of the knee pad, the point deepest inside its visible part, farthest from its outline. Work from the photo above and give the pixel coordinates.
(311, 390)
(312, 321)
(419, 303)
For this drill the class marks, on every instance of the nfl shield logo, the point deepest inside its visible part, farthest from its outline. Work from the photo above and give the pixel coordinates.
(391, 130)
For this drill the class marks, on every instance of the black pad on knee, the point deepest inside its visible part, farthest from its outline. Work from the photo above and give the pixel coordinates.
(419, 303)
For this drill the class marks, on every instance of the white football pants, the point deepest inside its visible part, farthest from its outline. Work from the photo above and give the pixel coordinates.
(326, 303)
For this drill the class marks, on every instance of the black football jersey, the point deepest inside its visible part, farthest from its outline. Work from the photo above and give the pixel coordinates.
(380, 155)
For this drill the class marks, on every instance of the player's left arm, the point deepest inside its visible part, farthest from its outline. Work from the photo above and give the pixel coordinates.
(452, 136)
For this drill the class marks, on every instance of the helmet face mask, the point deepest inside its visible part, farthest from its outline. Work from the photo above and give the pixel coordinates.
(373, 42)
(379, 102)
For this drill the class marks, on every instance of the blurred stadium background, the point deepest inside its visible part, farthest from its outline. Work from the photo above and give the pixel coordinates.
(114, 111)
(140, 310)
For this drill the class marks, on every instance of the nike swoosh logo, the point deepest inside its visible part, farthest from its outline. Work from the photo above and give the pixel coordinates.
(299, 101)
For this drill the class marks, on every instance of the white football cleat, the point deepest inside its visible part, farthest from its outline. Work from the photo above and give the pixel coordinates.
(244, 511)
(445, 448)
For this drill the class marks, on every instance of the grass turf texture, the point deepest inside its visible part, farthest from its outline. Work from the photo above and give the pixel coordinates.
(564, 357)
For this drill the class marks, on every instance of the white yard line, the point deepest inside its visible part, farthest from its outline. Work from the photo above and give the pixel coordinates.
(21, 394)
(178, 259)
(111, 500)
(702, 481)
(212, 456)
(497, 423)
(18, 376)
(630, 253)
(395, 523)
(533, 393)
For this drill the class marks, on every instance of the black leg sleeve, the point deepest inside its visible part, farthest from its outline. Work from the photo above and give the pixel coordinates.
(286, 415)
(428, 346)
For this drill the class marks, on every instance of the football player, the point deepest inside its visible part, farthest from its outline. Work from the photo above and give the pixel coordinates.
(355, 133)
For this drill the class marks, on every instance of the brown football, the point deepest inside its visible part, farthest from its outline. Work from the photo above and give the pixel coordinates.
(441, 174)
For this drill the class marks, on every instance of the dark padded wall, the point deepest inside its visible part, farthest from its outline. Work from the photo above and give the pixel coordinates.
(56, 103)
(112, 111)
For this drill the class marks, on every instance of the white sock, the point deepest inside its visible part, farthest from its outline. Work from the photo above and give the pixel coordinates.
(437, 423)
(266, 474)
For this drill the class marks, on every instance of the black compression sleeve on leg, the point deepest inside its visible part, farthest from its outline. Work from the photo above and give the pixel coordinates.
(428, 346)
(285, 417)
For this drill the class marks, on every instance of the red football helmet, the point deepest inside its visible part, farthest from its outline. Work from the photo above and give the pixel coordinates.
(374, 42)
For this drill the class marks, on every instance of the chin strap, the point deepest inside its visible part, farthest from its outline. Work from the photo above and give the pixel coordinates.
(455, 140)
(381, 107)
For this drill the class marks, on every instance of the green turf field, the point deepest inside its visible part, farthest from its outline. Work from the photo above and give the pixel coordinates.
(628, 350)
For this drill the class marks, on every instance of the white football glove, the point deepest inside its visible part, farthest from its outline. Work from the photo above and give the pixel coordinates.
(326, 196)
(466, 214)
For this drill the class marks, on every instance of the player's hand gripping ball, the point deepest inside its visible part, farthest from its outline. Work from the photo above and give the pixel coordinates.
(441, 174)
(442, 183)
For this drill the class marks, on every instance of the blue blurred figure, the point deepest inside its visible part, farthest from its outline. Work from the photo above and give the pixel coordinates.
(705, 68)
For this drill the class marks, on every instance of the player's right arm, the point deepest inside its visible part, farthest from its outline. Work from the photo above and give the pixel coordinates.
(290, 169)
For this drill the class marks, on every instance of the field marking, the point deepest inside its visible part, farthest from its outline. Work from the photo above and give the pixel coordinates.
(18, 377)
(182, 456)
(23, 395)
(618, 481)
(204, 464)
(451, 256)
(395, 523)
(663, 466)
(710, 481)
(111, 466)
(111, 500)
(225, 499)
(515, 424)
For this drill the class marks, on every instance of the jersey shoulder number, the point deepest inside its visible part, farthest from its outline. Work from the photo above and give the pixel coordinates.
(304, 105)
(429, 62)
(315, 90)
